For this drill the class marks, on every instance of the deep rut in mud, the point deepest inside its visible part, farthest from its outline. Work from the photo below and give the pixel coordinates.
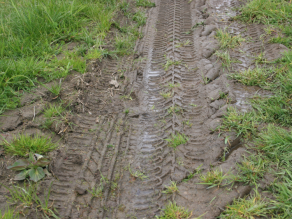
(120, 143)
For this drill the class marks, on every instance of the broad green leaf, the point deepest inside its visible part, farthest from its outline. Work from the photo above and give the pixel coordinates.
(22, 175)
(36, 174)
(19, 165)
(41, 162)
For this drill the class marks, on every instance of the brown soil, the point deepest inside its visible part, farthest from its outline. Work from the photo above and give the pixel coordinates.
(106, 142)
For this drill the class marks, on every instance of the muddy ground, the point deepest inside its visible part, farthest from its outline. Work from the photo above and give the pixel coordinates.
(105, 143)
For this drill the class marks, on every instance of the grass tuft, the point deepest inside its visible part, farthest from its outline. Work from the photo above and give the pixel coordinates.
(22, 145)
(176, 140)
(227, 41)
(252, 207)
(172, 188)
(172, 211)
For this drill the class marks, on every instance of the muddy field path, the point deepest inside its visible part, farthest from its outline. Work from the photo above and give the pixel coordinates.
(117, 164)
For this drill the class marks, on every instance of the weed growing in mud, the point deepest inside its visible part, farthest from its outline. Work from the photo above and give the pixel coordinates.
(227, 41)
(182, 44)
(176, 140)
(254, 206)
(9, 214)
(195, 26)
(214, 178)
(225, 58)
(22, 195)
(166, 95)
(191, 175)
(127, 111)
(169, 63)
(96, 192)
(137, 174)
(55, 89)
(172, 85)
(127, 97)
(22, 145)
(205, 79)
(32, 167)
(175, 109)
(145, 3)
(27, 197)
(53, 111)
(172, 188)
(172, 211)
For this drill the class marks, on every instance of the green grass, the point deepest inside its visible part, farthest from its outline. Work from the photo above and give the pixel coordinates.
(254, 206)
(227, 41)
(26, 196)
(33, 33)
(145, 3)
(8, 214)
(173, 211)
(172, 188)
(176, 139)
(214, 178)
(166, 95)
(272, 143)
(252, 77)
(224, 56)
(22, 145)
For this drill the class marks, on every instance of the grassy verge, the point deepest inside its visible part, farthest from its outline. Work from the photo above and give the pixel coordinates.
(33, 33)
(268, 124)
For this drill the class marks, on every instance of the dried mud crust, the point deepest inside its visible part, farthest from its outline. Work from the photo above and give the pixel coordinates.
(105, 144)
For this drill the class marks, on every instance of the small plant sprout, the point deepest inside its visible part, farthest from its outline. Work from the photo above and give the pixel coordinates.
(55, 89)
(182, 44)
(127, 97)
(175, 109)
(172, 188)
(213, 178)
(172, 85)
(166, 95)
(170, 62)
(45, 206)
(224, 57)
(192, 104)
(172, 211)
(226, 140)
(176, 140)
(187, 123)
(223, 95)
(191, 175)
(32, 167)
(205, 79)
(9, 214)
(96, 192)
(137, 174)
(127, 111)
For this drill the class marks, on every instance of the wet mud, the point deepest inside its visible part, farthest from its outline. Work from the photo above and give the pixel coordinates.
(106, 146)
